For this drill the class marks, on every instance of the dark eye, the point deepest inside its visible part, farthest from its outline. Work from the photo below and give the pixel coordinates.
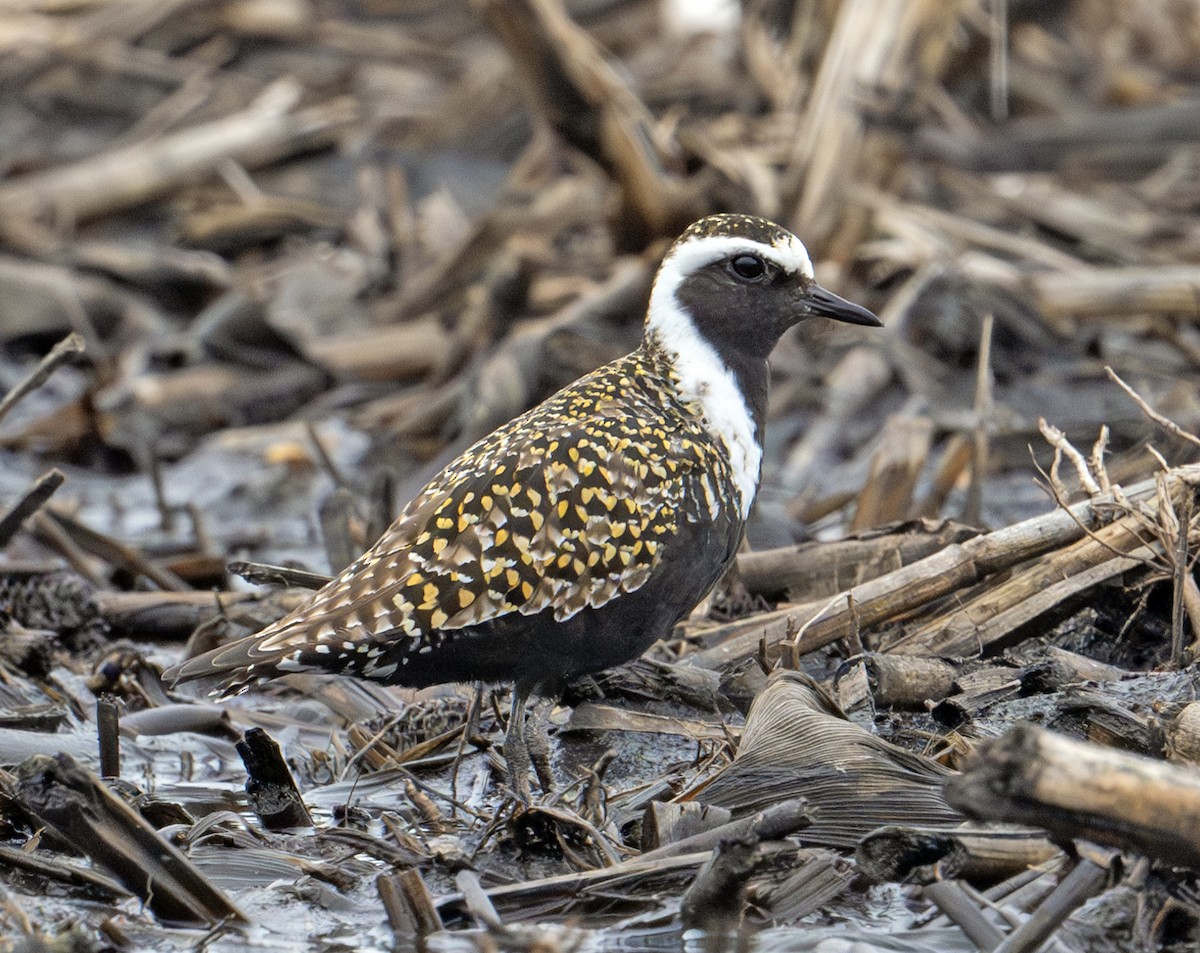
(748, 267)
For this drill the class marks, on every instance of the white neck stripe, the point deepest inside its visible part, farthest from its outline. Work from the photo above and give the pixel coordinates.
(704, 378)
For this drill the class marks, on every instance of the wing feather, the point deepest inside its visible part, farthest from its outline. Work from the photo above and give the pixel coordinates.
(564, 508)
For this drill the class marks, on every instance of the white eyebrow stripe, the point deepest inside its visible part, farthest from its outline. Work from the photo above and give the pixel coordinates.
(792, 249)
(691, 256)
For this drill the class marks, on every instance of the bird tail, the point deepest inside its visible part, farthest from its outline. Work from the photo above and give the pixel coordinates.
(238, 665)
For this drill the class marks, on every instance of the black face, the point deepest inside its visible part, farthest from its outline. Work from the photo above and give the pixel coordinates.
(742, 304)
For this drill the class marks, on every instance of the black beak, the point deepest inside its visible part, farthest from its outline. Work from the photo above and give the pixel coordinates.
(828, 305)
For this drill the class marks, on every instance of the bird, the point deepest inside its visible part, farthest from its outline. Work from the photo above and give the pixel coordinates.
(572, 538)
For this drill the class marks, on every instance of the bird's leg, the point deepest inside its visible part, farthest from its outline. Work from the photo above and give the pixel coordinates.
(537, 740)
(516, 751)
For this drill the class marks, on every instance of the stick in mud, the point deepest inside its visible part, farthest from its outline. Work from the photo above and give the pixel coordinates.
(272, 791)
(73, 802)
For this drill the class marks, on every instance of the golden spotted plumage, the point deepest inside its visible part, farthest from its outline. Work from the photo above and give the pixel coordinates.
(746, 226)
(565, 507)
(572, 538)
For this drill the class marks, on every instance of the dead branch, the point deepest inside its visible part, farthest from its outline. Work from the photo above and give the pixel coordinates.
(268, 129)
(1080, 790)
(584, 100)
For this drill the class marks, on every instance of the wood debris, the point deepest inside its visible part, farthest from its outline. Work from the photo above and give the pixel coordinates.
(266, 265)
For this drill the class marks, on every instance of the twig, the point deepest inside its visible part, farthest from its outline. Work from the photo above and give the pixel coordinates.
(1081, 884)
(62, 352)
(853, 640)
(1056, 490)
(266, 130)
(848, 596)
(983, 413)
(998, 71)
(1184, 522)
(434, 792)
(33, 500)
(1169, 425)
(323, 456)
(1096, 460)
(53, 535)
(950, 898)
(1171, 528)
(371, 743)
(478, 902)
(153, 464)
(595, 793)
(265, 574)
(108, 729)
(1064, 448)
(114, 552)
(472, 722)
